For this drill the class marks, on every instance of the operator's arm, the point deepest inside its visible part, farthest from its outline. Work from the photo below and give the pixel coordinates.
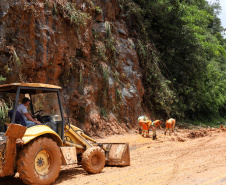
(31, 119)
(30, 114)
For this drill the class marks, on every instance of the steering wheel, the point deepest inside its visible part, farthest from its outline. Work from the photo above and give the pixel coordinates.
(38, 113)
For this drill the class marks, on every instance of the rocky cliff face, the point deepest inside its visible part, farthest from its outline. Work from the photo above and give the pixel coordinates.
(83, 46)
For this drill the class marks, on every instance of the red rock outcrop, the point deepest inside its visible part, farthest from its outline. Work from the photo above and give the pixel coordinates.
(81, 45)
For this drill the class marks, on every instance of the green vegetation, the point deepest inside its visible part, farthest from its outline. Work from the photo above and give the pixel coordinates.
(3, 113)
(13, 63)
(103, 112)
(182, 54)
(68, 11)
(2, 78)
(98, 9)
(80, 82)
(100, 52)
(13, 66)
(105, 73)
(216, 122)
(110, 42)
(92, 6)
(118, 94)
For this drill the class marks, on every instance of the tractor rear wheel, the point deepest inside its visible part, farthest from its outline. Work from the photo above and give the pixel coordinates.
(93, 160)
(39, 162)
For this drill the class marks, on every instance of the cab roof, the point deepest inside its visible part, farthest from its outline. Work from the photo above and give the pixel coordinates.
(33, 88)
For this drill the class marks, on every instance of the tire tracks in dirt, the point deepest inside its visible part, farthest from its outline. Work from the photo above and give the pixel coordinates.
(189, 150)
(131, 175)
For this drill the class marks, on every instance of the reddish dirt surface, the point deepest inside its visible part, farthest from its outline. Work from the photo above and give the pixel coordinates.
(186, 157)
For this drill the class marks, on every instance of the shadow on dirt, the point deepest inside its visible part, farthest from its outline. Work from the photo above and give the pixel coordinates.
(64, 175)
(69, 173)
(11, 181)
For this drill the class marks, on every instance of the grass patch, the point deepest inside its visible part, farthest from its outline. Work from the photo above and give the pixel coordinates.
(197, 124)
(103, 112)
(76, 17)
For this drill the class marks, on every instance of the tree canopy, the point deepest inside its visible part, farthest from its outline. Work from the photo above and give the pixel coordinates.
(182, 53)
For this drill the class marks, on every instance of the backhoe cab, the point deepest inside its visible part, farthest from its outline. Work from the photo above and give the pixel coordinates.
(38, 152)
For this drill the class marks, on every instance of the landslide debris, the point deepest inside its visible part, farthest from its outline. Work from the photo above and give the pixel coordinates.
(205, 132)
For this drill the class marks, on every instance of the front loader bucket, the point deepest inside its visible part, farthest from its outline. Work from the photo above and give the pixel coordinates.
(117, 154)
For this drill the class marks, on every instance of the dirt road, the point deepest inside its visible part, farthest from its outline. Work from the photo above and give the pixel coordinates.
(176, 159)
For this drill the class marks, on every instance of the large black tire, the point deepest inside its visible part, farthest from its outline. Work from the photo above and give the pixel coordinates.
(93, 160)
(39, 162)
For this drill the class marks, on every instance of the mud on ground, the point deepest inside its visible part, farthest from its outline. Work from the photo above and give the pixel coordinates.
(185, 157)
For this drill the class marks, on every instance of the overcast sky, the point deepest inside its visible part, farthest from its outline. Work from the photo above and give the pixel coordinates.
(223, 12)
(222, 15)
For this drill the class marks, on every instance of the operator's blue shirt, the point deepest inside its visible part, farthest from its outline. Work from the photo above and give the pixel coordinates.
(18, 119)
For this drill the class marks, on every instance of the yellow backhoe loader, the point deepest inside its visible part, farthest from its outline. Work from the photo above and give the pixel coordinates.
(38, 152)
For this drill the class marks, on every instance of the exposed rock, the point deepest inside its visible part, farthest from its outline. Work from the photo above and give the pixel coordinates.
(100, 28)
(100, 74)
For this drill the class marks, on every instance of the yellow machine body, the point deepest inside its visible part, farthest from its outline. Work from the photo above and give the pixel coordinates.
(40, 130)
(76, 136)
(73, 143)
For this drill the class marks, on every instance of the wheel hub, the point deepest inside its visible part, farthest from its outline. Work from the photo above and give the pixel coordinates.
(42, 162)
(95, 160)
